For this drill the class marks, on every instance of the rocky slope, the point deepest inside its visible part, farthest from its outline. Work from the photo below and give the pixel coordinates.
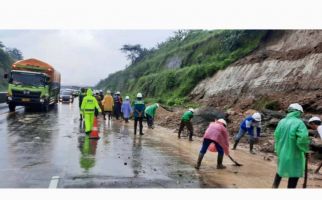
(286, 68)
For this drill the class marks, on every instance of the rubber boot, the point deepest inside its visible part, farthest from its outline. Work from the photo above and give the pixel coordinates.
(235, 145)
(134, 130)
(277, 181)
(199, 160)
(179, 135)
(141, 131)
(220, 158)
(190, 138)
(251, 147)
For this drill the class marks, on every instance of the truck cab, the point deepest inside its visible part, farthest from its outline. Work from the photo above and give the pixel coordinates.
(32, 86)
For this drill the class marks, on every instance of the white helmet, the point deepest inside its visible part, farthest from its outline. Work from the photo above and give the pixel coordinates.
(257, 117)
(108, 92)
(295, 106)
(312, 119)
(222, 121)
(191, 109)
(127, 97)
(117, 92)
(158, 105)
(139, 95)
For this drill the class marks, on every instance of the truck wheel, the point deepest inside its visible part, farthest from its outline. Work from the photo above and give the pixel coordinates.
(12, 107)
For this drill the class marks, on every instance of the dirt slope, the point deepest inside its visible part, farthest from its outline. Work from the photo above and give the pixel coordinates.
(288, 67)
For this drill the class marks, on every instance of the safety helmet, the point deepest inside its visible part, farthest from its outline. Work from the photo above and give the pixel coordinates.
(118, 92)
(139, 95)
(108, 91)
(295, 106)
(257, 117)
(127, 97)
(157, 105)
(222, 121)
(312, 119)
(191, 109)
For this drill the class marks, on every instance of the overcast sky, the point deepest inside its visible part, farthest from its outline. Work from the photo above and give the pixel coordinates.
(83, 57)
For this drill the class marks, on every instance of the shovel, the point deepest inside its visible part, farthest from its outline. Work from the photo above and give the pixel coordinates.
(234, 161)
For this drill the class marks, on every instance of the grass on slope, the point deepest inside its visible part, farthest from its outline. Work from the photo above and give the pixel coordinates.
(202, 54)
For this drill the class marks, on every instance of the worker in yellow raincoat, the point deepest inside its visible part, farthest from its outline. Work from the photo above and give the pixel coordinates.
(88, 108)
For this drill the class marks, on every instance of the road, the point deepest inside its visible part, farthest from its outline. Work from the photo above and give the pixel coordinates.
(36, 147)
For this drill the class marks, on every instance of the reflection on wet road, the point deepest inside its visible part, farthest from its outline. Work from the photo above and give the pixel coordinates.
(36, 146)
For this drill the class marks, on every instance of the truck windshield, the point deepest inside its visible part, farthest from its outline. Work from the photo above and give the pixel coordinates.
(29, 79)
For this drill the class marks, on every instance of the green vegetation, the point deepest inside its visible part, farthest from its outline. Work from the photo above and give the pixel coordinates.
(170, 71)
(7, 57)
(266, 103)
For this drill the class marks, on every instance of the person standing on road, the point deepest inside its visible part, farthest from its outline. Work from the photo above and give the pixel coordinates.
(217, 134)
(81, 97)
(250, 125)
(117, 104)
(291, 145)
(139, 108)
(126, 109)
(88, 108)
(315, 124)
(186, 121)
(108, 104)
(98, 99)
(101, 94)
(150, 114)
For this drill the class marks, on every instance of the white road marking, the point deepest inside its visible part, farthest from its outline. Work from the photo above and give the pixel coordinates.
(54, 182)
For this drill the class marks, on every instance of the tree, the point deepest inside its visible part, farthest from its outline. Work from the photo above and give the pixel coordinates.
(14, 53)
(135, 53)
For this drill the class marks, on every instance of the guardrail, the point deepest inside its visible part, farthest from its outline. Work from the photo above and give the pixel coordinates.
(3, 97)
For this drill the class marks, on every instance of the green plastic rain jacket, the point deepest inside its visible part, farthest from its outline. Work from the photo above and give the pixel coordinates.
(291, 144)
(150, 110)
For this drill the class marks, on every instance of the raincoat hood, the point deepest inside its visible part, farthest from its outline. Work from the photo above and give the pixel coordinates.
(89, 92)
(295, 113)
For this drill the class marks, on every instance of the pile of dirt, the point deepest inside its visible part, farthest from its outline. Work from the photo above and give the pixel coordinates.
(169, 118)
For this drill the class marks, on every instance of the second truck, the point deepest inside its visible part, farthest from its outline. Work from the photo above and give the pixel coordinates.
(32, 83)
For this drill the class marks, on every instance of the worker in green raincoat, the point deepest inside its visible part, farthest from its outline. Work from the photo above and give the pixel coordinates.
(291, 145)
(88, 108)
(150, 114)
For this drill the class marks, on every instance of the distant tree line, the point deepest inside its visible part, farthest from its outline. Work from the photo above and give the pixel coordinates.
(14, 53)
(135, 53)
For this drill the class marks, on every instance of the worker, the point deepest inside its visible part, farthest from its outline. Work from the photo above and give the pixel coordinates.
(139, 108)
(248, 125)
(150, 114)
(108, 104)
(81, 97)
(126, 109)
(217, 134)
(99, 101)
(101, 94)
(186, 121)
(291, 145)
(117, 104)
(315, 124)
(88, 108)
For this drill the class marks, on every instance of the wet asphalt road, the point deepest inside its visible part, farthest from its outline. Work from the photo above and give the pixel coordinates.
(36, 146)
